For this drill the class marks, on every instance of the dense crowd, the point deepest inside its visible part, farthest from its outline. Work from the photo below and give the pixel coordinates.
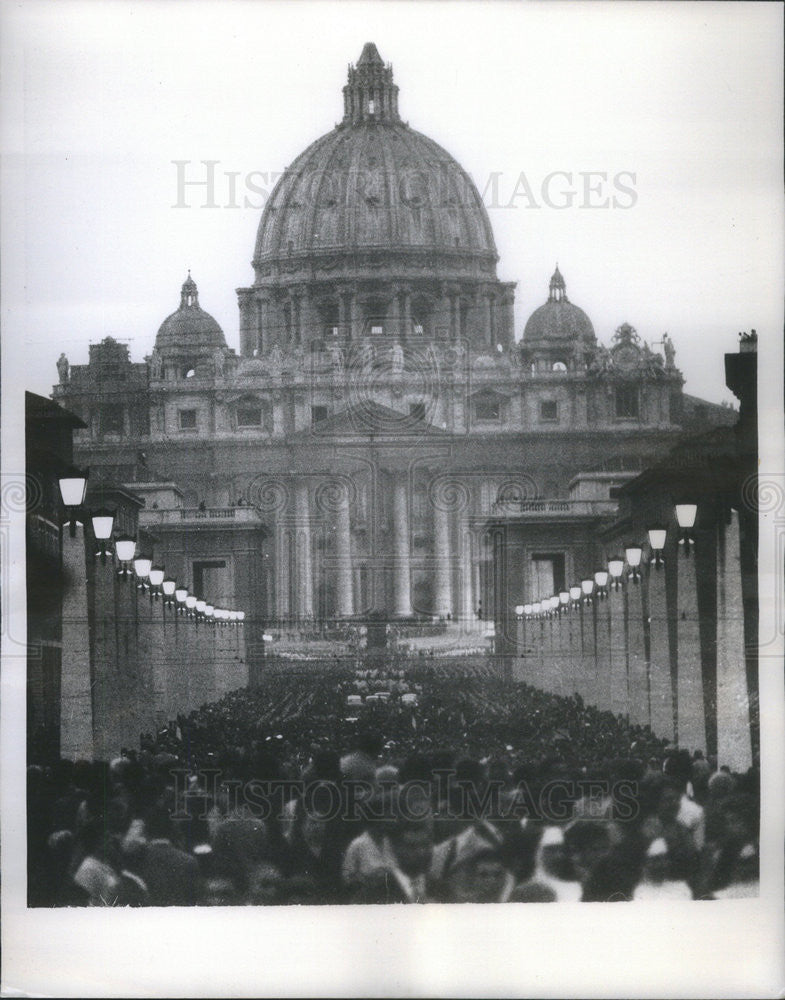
(391, 784)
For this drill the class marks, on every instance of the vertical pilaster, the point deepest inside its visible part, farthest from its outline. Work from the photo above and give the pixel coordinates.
(401, 567)
(304, 582)
(343, 550)
(442, 561)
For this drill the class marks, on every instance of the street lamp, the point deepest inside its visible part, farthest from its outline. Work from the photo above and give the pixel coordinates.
(587, 586)
(519, 611)
(125, 550)
(616, 568)
(156, 579)
(142, 566)
(601, 582)
(575, 596)
(73, 486)
(190, 606)
(685, 515)
(657, 538)
(181, 596)
(240, 617)
(169, 587)
(564, 602)
(103, 525)
(634, 554)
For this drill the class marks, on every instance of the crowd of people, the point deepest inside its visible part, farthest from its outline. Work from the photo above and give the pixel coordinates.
(450, 788)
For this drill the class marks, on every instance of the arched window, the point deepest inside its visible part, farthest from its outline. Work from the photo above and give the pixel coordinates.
(559, 366)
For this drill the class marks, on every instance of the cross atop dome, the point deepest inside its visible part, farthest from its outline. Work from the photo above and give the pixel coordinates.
(189, 294)
(557, 291)
(370, 94)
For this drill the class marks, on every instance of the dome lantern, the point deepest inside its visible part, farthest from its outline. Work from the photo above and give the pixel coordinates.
(557, 291)
(370, 94)
(189, 294)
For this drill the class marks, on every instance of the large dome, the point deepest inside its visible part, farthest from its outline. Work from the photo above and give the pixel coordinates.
(190, 328)
(373, 183)
(558, 320)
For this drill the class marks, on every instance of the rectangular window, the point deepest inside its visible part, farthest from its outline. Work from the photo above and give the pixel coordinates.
(377, 330)
(249, 416)
(549, 409)
(112, 419)
(187, 420)
(548, 576)
(417, 410)
(627, 405)
(318, 413)
(487, 408)
(418, 329)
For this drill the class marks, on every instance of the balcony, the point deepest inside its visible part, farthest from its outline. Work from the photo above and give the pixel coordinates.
(548, 509)
(208, 517)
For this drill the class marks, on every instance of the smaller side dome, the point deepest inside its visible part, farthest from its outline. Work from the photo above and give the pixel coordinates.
(558, 321)
(190, 330)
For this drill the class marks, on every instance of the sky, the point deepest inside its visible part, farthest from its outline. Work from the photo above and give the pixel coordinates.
(678, 105)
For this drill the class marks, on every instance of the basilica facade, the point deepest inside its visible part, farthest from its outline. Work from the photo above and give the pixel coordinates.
(379, 409)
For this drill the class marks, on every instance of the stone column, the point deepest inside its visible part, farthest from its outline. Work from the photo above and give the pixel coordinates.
(406, 312)
(733, 711)
(401, 569)
(76, 707)
(490, 318)
(508, 318)
(455, 312)
(343, 326)
(692, 727)
(281, 566)
(394, 326)
(304, 579)
(343, 551)
(247, 324)
(467, 596)
(442, 561)
(354, 317)
(296, 301)
(263, 339)
(659, 664)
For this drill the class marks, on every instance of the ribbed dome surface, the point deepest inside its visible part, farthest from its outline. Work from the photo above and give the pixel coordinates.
(373, 185)
(558, 319)
(190, 327)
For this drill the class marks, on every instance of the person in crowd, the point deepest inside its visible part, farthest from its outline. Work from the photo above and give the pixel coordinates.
(524, 796)
(658, 880)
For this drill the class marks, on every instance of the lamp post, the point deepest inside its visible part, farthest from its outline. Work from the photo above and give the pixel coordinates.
(125, 550)
(657, 537)
(634, 554)
(142, 566)
(601, 583)
(616, 568)
(103, 524)
(73, 486)
(169, 586)
(685, 515)
(156, 577)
